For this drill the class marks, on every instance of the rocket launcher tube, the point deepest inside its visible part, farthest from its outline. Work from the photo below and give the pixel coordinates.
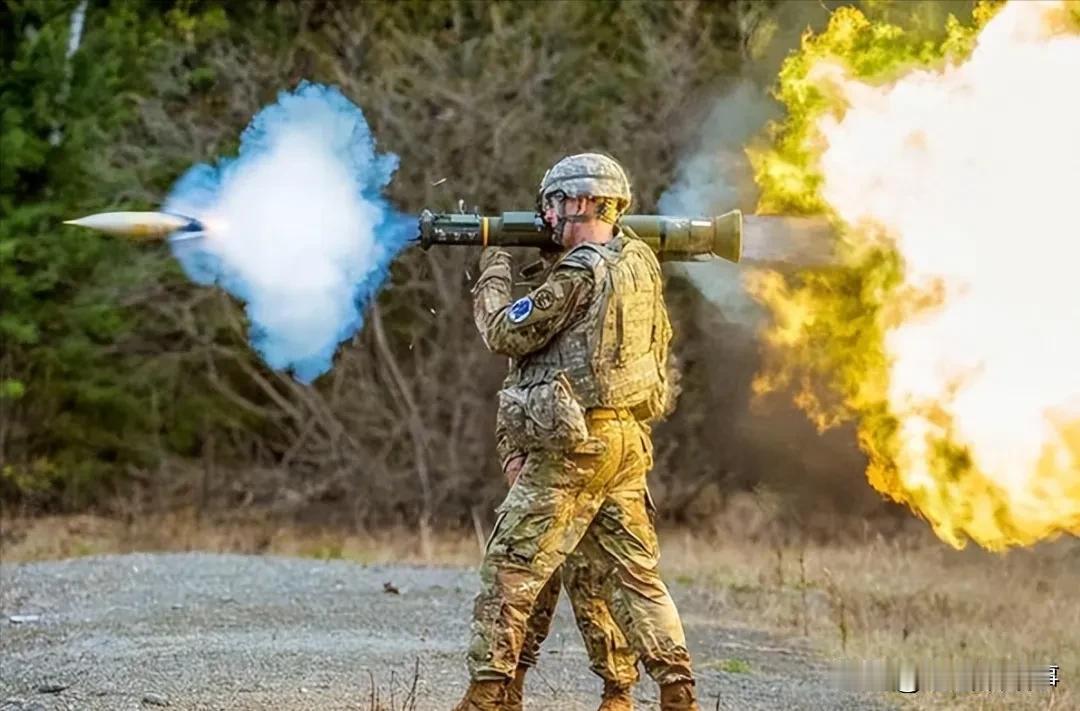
(681, 239)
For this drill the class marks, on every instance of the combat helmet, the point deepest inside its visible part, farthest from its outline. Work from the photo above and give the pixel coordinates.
(589, 174)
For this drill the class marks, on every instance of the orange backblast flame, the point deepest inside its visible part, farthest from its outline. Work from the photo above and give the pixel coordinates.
(970, 172)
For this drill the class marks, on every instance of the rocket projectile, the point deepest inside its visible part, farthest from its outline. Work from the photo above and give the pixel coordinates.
(142, 226)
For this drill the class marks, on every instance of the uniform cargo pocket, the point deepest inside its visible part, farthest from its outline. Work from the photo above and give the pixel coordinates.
(519, 535)
(543, 416)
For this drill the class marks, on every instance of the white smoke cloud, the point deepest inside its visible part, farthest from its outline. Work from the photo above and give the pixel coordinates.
(716, 177)
(297, 228)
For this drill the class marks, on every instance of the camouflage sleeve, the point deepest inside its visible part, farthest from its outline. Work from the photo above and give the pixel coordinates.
(503, 448)
(526, 325)
(492, 290)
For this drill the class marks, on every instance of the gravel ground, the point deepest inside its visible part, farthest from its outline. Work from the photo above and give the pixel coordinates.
(201, 631)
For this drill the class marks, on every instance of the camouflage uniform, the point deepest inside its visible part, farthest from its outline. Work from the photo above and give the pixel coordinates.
(590, 350)
(610, 656)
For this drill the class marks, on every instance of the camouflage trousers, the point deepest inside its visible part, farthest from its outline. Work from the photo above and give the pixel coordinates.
(610, 656)
(592, 512)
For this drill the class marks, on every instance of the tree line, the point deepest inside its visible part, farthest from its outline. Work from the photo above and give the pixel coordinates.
(124, 385)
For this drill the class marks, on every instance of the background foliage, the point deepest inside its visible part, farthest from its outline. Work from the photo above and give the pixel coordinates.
(123, 387)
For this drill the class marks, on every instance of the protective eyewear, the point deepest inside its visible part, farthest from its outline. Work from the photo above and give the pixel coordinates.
(554, 201)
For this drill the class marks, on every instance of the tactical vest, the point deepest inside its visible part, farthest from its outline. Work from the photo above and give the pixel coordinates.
(615, 354)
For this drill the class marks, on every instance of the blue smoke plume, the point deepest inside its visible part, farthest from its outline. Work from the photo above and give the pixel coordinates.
(297, 227)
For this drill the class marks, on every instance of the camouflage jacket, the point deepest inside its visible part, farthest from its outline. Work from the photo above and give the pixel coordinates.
(563, 296)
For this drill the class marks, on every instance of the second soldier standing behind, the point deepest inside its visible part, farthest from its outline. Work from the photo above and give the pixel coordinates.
(590, 350)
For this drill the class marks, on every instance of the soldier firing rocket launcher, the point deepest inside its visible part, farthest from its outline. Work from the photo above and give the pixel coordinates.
(731, 237)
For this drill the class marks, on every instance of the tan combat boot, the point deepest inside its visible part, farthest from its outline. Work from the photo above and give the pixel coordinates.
(483, 696)
(678, 696)
(616, 698)
(515, 691)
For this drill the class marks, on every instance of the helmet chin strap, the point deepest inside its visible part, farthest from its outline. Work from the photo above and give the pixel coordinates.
(559, 231)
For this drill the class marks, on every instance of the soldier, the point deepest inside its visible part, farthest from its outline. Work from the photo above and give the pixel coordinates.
(590, 350)
(609, 653)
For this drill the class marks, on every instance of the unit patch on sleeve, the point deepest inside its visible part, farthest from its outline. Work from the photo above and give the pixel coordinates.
(544, 299)
(520, 310)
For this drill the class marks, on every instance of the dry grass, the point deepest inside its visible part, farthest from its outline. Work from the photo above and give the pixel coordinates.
(909, 596)
(53, 538)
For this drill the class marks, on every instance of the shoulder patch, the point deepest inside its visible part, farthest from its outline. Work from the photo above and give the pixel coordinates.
(544, 298)
(520, 310)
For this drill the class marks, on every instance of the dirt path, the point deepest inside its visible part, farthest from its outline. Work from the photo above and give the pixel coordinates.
(200, 631)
